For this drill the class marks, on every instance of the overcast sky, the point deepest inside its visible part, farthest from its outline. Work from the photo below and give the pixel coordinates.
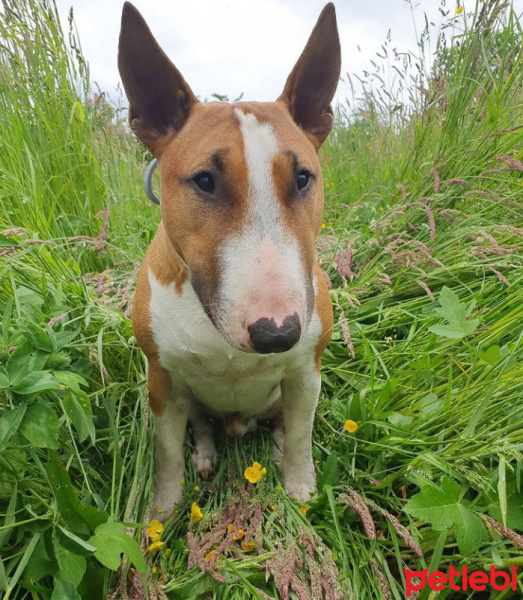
(249, 46)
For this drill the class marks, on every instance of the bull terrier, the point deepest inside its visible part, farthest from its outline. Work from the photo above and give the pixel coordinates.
(231, 308)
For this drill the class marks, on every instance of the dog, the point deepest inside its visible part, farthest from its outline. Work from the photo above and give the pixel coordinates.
(231, 308)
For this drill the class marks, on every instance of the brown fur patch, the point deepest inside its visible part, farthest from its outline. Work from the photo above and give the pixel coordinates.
(195, 224)
(167, 267)
(159, 385)
(324, 312)
(165, 262)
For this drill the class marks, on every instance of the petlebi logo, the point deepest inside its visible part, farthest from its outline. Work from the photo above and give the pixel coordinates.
(461, 580)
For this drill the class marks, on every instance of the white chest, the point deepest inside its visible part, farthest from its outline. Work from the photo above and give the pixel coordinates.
(221, 377)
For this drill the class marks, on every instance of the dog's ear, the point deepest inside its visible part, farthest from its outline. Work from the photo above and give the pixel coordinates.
(159, 98)
(312, 83)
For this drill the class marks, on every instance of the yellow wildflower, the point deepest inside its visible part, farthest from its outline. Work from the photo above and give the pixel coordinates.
(279, 489)
(331, 223)
(238, 535)
(247, 547)
(155, 546)
(350, 426)
(304, 509)
(168, 552)
(154, 569)
(196, 513)
(209, 555)
(154, 531)
(131, 574)
(459, 10)
(255, 473)
(196, 488)
(272, 507)
(323, 225)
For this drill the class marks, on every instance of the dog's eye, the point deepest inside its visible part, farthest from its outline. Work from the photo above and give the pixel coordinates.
(302, 179)
(205, 181)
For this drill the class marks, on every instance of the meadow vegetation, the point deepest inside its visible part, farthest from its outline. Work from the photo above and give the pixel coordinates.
(418, 439)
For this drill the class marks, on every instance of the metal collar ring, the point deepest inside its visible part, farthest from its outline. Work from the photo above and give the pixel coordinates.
(148, 182)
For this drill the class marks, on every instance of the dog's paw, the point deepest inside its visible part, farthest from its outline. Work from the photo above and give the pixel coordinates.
(206, 462)
(299, 482)
(165, 500)
(300, 490)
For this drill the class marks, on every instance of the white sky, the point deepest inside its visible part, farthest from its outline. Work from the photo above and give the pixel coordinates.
(249, 46)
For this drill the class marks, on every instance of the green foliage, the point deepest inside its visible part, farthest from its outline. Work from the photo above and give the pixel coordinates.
(40, 425)
(443, 508)
(9, 424)
(330, 472)
(456, 314)
(110, 540)
(423, 245)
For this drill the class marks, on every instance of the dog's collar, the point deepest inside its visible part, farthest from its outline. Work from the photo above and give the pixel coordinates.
(148, 182)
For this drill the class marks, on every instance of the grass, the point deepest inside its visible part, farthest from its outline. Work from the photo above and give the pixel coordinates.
(422, 244)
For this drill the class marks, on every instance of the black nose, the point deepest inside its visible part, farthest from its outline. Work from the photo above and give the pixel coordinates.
(267, 337)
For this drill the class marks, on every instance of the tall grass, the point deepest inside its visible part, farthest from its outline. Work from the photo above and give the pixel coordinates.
(422, 243)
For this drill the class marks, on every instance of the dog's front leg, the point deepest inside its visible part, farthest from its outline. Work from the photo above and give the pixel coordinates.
(300, 390)
(204, 455)
(170, 404)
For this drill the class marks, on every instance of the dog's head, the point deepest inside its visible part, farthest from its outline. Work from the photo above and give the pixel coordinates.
(242, 193)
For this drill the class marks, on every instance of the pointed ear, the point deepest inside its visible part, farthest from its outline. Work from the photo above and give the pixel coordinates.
(312, 83)
(159, 98)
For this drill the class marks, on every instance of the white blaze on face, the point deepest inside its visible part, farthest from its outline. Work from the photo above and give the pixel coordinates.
(262, 273)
